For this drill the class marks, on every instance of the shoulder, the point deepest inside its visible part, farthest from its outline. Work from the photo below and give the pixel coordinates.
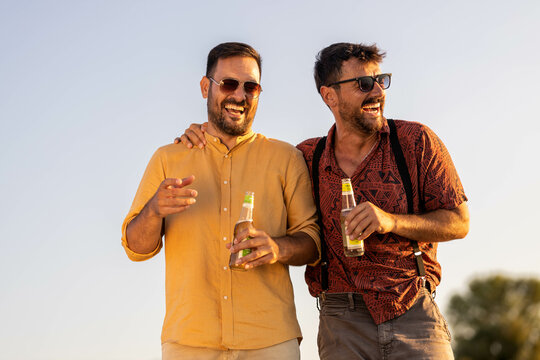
(413, 132)
(307, 147)
(277, 147)
(171, 151)
(420, 140)
(407, 128)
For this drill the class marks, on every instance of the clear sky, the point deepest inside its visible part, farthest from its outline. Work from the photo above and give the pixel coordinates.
(89, 89)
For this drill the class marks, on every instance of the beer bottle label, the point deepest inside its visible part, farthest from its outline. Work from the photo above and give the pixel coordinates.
(346, 188)
(244, 252)
(354, 243)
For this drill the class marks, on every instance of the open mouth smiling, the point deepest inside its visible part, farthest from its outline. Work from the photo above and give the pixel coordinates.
(235, 110)
(373, 108)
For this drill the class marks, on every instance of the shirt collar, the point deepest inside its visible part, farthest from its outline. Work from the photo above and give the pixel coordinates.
(216, 142)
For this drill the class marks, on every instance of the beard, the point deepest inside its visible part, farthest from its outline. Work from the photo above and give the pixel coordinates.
(216, 115)
(355, 117)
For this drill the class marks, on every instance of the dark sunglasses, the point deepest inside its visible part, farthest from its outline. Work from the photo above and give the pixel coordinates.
(251, 88)
(366, 83)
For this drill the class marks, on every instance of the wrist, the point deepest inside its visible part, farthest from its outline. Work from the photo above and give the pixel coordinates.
(151, 213)
(393, 223)
(280, 252)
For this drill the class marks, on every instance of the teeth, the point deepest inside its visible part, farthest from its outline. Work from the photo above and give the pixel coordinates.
(234, 107)
(372, 106)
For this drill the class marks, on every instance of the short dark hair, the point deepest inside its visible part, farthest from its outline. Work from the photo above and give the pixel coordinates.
(330, 59)
(230, 49)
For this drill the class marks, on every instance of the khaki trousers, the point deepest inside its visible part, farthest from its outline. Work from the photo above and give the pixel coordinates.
(347, 331)
(288, 350)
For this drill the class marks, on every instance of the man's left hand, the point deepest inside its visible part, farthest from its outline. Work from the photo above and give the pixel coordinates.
(264, 250)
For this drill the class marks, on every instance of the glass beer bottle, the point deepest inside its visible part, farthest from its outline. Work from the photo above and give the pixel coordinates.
(244, 222)
(351, 247)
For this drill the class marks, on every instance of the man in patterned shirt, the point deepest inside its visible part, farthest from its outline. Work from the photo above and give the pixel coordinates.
(379, 305)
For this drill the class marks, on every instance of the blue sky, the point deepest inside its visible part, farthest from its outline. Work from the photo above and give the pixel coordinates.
(88, 90)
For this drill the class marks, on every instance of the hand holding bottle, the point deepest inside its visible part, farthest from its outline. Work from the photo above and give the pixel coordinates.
(264, 250)
(366, 219)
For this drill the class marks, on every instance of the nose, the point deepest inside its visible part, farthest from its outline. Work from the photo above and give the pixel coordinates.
(240, 92)
(377, 89)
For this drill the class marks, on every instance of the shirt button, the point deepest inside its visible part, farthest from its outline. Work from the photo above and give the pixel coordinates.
(225, 297)
(224, 238)
(215, 140)
(224, 209)
(225, 182)
(226, 156)
(224, 268)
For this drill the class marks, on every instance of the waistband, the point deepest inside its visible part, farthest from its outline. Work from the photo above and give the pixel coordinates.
(351, 300)
(355, 300)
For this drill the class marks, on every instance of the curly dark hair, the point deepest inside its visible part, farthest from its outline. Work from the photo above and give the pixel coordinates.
(330, 59)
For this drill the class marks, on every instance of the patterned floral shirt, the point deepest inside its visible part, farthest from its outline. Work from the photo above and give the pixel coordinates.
(386, 276)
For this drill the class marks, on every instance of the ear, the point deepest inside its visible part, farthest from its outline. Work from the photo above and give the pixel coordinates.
(205, 85)
(329, 96)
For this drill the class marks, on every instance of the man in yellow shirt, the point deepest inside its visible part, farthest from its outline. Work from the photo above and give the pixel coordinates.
(193, 197)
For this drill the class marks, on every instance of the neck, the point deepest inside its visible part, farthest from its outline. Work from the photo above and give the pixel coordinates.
(228, 140)
(352, 141)
(352, 146)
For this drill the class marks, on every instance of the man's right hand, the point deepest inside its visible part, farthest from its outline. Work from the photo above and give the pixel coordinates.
(145, 230)
(193, 136)
(172, 197)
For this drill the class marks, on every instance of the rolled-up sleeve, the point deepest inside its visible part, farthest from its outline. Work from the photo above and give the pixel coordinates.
(152, 178)
(440, 186)
(301, 211)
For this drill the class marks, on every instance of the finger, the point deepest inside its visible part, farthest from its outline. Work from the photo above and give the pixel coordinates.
(244, 234)
(266, 259)
(354, 222)
(195, 138)
(366, 233)
(180, 192)
(357, 210)
(248, 243)
(184, 140)
(355, 232)
(196, 135)
(204, 127)
(256, 252)
(170, 183)
(175, 202)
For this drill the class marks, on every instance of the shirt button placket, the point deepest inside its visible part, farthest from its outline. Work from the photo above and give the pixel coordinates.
(226, 233)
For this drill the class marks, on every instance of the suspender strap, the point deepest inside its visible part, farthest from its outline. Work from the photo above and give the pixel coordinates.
(315, 175)
(407, 184)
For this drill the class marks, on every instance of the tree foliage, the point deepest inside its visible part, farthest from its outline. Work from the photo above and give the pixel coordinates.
(497, 318)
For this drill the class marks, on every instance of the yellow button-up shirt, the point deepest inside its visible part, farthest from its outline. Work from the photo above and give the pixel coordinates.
(208, 305)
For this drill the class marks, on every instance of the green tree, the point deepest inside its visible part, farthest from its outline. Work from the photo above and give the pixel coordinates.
(497, 318)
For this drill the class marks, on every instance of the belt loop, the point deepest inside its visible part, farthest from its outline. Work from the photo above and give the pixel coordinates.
(320, 299)
(351, 301)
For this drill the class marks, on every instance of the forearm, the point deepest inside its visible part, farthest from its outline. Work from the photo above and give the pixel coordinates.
(144, 232)
(436, 226)
(297, 249)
